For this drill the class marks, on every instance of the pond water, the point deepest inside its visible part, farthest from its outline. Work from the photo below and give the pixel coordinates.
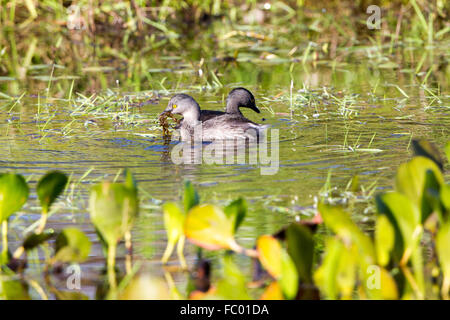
(341, 118)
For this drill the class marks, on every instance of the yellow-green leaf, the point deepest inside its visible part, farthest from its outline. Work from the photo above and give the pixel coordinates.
(415, 179)
(269, 251)
(209, 227)
(13, 194)
(113, 209)
(72, 245)
(384, 239)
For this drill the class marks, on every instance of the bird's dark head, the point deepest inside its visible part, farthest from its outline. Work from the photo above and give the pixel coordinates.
(240, 97)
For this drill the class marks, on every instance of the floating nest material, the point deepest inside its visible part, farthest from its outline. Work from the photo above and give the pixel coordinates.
(164, 123)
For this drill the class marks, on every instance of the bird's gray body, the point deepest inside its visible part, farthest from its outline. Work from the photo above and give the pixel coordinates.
(214, 125)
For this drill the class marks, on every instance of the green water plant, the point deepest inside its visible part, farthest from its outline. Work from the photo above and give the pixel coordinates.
(71, 246)
(174, 219)
(49, 187)
(113, 210)
(276, 260)
(391, 264)
(214, 228)
(13, 195)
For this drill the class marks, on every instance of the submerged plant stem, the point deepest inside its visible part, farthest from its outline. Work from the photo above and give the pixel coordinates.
(410, 278)
(111, 266)
(168, 251)
(180, 254)
(42, 222)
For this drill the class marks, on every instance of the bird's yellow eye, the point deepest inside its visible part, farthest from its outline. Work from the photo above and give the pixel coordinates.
(174, 106)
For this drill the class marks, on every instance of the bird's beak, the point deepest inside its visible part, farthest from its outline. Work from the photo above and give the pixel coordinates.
(255, 108)
(168, 110)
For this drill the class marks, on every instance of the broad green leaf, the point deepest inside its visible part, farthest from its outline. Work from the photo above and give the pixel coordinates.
(428, 150)
(232, 285)
(289, 276)
(11, 289)
(236, 210)
(300, 246)
(325, 276)
(209, 227)
(190, 196)
(13, 194)
(443, 249)
(173, 221)
(279, 264)
(417, 176)
(384, 239)
(36, 239)
(339, 221)
(269, 253)
(113, 209)
(405, 218)
(346, 271)
(50, 187)
(72, 245)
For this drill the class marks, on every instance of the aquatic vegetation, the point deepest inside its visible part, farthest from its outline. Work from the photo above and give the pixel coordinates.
(113, 210)
(81, 92)
(48, 189)
(13, 195)
(386, 264)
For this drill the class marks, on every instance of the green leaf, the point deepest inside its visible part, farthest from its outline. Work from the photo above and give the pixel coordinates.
(50, 187)
(428, 150)
(13, 194)
(11, 289)
(113, 209)
(405, 218)
(346, 271)
(416, 179)
(173, 221)
(72, 245)
(269, 253)
(384, 239)
(339, 221)
(326, 275)
(300, 246)
(209, 227)
(36, 239)
(275, 259)
(289, 276)
(236, 210)
(232, 285)
(190, 196)
(443, 249)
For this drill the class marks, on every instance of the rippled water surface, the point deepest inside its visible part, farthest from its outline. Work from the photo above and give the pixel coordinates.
(341, 120)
